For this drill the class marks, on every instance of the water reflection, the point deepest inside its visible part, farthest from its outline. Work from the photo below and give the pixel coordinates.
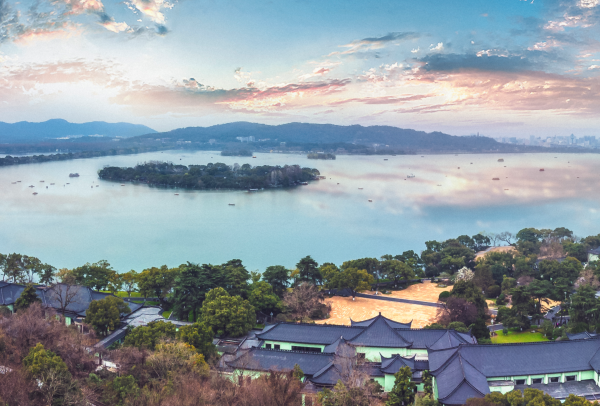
(135, 226)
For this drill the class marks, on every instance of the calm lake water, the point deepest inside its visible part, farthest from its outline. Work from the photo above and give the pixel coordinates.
(136, 226)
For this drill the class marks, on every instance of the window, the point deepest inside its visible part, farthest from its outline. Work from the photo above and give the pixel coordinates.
(277, 346)
(360, 355)
(305, 349)
(520, 381)
(571, 377)
(554, 379)
(536, 380)
(268, 346)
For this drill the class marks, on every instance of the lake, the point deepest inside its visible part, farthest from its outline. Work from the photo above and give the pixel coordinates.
(136, 226)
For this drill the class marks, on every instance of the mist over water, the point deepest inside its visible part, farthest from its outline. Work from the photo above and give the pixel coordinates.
(136, 226)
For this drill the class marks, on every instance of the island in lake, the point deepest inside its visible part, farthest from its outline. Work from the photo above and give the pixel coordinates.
(211, 176)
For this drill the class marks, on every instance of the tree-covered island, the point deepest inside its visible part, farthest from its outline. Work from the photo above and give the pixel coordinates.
(211, 176)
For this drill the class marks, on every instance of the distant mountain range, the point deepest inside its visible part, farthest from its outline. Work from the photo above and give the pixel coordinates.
(26, 132)
(329, 135)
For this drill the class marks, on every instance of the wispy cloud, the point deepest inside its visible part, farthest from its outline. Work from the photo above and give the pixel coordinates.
(372, 43)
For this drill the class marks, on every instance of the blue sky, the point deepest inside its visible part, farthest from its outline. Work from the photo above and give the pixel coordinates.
(500, 68)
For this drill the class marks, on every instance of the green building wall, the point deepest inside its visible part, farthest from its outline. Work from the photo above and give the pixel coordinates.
(288, 346)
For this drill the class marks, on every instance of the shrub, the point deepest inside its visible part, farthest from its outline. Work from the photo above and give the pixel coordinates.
(493, 291)
(501, 300)
(444, 296)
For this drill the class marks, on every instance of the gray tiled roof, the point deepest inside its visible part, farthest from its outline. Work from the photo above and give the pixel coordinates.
(391, 323)
(393, 364)
(459, 380)
(450, 339)
(260, 359)
(380, 334)
(581, 336)
(532, 358)
(563, 390)
(309, 333)
(326, 376)
(595, 251)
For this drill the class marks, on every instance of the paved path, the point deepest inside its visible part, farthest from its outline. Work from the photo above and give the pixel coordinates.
(395, 299)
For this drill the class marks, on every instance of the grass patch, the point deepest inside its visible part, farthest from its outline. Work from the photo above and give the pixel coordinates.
(518, 337)
(124, 294)
(167, 314)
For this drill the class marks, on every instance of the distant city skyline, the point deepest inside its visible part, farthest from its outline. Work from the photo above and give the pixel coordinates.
(503, 69)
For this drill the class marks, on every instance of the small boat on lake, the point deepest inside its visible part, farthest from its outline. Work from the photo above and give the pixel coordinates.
(41, 181)
(73, 175)
(31, 186)
(410, 176)
(51, 184)
(252, 190)
(304, 183)
(176, 194)
(14, 183)
(232, 204)
(495, 178)
(35, 193)
(385, 159)
(254, 157)
(371, 200)
(360, 188)
(542, 170)
(500, 160)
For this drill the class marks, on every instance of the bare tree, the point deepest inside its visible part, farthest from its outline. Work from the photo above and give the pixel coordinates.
(64, 294)
(493, 238)
(303, 300)
(506, 237)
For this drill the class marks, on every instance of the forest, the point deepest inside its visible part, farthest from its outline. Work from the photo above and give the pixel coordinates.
(211, 176)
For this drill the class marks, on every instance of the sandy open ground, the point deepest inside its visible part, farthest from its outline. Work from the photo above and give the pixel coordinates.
(506, 248)
(344, 308)
(425, 292)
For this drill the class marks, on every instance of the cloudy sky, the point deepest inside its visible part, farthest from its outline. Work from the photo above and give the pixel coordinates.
(501, 68)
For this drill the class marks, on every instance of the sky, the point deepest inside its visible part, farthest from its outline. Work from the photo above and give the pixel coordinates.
(502, 68)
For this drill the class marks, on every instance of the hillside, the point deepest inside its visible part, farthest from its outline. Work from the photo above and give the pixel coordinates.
(27, 132)
(332, 136)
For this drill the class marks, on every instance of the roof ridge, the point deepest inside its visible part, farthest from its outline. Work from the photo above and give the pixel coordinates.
(388, 326)
(320, 325)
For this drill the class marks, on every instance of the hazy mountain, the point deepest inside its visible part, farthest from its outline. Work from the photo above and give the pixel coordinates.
(26, 132)
(320, 134)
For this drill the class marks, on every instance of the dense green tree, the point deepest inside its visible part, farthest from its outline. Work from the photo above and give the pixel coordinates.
(198, 335)
(278, 276)
(522, 306)
(508, 283)
(150, 335)
(413, 260)
(129, 281)
(569, 268)
(119, 389)
(576, 250)
(481, 242)
(585, 306)
(47, 274)
(403, 392)
(480, 330)
(471, 293)
(427, 383)
(541, 290)
(104, 315)
(236, 278)
(308, 271)
(448, 256)
(28, 296)
(52, 375)
(96, 276)
(157, 282)
(371, 265)
(357, 280)
(396, 270)
(227, 315)
(264, 299)
(188, 291)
